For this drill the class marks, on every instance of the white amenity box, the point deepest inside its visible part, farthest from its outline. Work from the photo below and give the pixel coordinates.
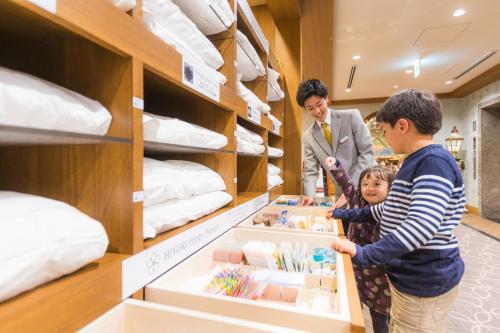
(173, 288)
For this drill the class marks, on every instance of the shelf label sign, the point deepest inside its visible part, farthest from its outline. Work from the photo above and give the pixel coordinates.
(138, 103)
(276, 128)
(144, 267)
(138, 196)
(253, 114)
(48, 5)
(200, 78)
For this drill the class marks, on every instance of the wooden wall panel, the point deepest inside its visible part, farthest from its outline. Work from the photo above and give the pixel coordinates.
(317, 41)
(288, 48)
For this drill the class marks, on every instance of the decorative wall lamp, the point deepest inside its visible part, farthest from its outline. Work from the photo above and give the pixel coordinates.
(454, 144)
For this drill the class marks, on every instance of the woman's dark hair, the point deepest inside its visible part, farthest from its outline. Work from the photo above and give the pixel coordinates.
(378, 172)
(309, 88)
(421, 107)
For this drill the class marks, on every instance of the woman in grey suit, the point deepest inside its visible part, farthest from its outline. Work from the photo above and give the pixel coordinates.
(341, 134)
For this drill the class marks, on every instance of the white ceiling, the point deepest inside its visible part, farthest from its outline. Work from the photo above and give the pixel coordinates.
(391, 34)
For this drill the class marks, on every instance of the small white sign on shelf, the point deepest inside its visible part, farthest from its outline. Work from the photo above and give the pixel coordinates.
(253, 115)
(200, 79)
(142, 268)
(138, 103)
(138, 196)
(48, 5)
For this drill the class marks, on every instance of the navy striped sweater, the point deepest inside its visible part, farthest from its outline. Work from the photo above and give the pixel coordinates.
(417, 219)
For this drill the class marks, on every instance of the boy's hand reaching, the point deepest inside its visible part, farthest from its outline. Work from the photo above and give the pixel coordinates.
(345, 246)
(330, 162)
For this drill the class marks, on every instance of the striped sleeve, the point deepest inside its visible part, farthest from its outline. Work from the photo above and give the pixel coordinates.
(429, 198)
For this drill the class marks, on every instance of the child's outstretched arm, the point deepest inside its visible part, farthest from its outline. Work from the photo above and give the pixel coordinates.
(355, 214)
(421, 213)
(344, 180)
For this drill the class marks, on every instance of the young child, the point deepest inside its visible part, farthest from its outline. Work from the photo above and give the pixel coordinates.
(425, 203)
(373, 287)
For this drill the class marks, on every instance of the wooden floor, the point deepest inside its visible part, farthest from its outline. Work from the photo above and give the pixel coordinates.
(480, 224)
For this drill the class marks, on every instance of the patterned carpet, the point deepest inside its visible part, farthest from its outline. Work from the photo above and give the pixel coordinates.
(477, 308)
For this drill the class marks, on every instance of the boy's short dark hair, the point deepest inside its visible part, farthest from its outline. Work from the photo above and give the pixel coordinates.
(421, 107)
(309, 88)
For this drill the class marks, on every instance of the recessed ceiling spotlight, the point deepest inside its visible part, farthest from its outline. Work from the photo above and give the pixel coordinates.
(449, 82)
(408, 71)
(459, 12)
(356, 57)
(395, 86)
(348, 90)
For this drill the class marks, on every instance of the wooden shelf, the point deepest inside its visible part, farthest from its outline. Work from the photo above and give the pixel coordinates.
(275, 192)
(250, 155)
(68, 303)
(16, 136)
(152, 147)
(170, 233)
(275, 135)
(107, 26)
(275, 157)
(247, 196)
(245, 26)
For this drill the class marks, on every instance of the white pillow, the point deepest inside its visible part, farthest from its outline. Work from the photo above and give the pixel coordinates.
(28, 101)
(174, 213)
(43, 239)
(273, 181)
(252, 100)
(124, 5)
(249, 147)
(247, 135)
(272, 170)
(210, 16)
(274, 92)
(170, 17)
(171, 39)
(274, 119)
(248, 61)
(177, 179)
(274, 152)
(175, 131)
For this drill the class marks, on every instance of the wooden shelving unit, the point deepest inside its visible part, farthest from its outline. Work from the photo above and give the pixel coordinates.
(93, 48)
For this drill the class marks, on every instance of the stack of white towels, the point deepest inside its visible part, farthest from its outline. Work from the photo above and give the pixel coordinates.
(249, 142)
(176, 192)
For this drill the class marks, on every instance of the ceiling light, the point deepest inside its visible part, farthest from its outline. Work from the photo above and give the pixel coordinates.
(356, 57)
(348, 90)
(449, 82)
(459, 12)
(395, 86)
(408, 71)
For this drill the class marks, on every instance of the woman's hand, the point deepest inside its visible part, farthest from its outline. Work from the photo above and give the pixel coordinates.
(345, 246)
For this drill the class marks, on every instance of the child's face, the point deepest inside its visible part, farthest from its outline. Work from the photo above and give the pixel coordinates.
(393, 136)
(373, 189)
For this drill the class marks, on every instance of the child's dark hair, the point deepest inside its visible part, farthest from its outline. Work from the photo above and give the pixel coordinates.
(421, 107)
(378, 172)
(309, 88)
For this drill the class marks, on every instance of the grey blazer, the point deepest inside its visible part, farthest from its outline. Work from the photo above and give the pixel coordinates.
(352, 146)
